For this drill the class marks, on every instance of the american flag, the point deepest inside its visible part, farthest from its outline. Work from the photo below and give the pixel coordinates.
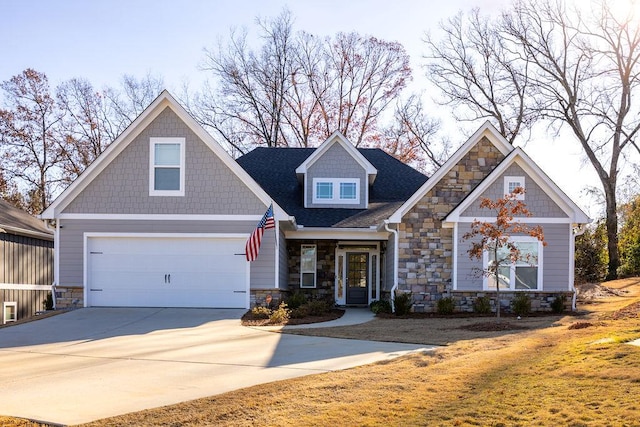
(253, 244)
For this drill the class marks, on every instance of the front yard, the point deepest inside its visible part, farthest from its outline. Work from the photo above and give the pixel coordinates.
(573, 370)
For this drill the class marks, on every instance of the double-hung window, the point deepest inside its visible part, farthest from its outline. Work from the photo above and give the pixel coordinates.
(166, 167)
(308, 266)
(336, 191)
(523, 273)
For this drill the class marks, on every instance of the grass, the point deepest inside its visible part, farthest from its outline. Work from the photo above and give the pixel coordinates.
(548, 373)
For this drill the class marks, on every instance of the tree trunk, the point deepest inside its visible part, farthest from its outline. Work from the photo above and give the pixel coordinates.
(612, 234)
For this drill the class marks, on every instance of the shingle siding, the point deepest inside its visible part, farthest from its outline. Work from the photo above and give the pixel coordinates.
(537, 200)
(336, 162)
(210, 186)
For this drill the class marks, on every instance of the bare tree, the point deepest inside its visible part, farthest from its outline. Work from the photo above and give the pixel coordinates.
(28, 144)
(86, 128)
(412, 137)
(570, 70)
(480, 71)
(297, 89)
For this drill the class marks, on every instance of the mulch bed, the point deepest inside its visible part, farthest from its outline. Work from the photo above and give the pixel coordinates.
(629, 312)
(250, 320)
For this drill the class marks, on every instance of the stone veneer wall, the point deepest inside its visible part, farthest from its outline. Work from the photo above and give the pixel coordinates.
(425, 248)
(69, 297)
(463, 300)
(325, 268)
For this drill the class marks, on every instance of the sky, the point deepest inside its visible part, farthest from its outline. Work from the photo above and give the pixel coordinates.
(102, 40)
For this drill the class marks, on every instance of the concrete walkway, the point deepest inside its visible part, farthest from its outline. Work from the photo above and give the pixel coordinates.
(95, 363)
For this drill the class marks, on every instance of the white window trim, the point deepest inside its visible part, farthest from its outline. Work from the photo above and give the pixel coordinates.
(152, 166)
(336, 200)
(540, 265)
(510, 179)
(4, 311)
(315, 267)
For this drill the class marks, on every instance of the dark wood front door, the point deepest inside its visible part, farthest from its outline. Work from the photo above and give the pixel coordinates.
(357, 277)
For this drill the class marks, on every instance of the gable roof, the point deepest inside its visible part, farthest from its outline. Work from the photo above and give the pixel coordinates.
(340, 139)
(486, 130)
(17, 221)
(395, 183)
(519, 157)
(164, 100)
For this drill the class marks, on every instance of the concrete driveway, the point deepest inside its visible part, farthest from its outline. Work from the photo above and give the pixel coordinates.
(95, 363)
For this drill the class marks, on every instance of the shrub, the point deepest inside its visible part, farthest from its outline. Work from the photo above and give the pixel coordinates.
(591, 256)
(318, 307)
(482, 305)
(402, 303)
(381, 306)
(521, 304)
(299, 313)
(557, 306)
(295, 300)
(445, 305)
(261, 312)
(48, 302)
(280, 315)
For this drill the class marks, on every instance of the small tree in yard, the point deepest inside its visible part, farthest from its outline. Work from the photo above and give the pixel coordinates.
(495, 237)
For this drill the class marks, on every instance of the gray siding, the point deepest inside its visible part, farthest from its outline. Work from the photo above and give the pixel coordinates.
(25, 260)
(72, 240)
(537, 201)
(555, 259)
(389, 257)
(123, 187)
(336, 162)
(284, 262)
(28, 302)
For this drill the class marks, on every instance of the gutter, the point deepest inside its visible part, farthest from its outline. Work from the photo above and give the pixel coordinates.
(395, 261)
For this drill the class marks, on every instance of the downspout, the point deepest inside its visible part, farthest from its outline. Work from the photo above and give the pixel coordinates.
(395, 261)
(576, 231)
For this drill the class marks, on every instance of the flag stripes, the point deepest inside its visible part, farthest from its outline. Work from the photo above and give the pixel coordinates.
(253, 243)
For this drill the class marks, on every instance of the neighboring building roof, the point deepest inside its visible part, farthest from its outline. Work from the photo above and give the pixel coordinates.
(275, 170)
(17, 221)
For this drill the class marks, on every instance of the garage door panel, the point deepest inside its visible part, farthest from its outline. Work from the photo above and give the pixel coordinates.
(167, 272)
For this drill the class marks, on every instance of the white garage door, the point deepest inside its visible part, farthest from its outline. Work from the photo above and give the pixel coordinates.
(167, 271)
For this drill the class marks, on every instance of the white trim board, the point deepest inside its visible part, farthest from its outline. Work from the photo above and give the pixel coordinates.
(160, 217)
(24, 287)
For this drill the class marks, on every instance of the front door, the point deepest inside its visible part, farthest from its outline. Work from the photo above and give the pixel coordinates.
(357, 277)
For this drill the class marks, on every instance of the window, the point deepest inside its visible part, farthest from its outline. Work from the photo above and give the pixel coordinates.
(324, 190)
(336, 190)
(166, 167)
(523, 274)
(10, 310)
(511, 183)
(308, 266)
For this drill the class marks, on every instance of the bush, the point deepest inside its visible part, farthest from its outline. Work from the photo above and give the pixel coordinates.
(557, 306)
(299, 313)
(591, 256)
(261, 312)
(482, 305)
(521, 304)
(280, 315)
(403, 303)
(296, 300)
(445, 305)
(318, 307)
(381, 306)
(48, 302)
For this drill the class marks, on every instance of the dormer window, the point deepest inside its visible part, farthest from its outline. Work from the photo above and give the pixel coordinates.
(336, 191)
